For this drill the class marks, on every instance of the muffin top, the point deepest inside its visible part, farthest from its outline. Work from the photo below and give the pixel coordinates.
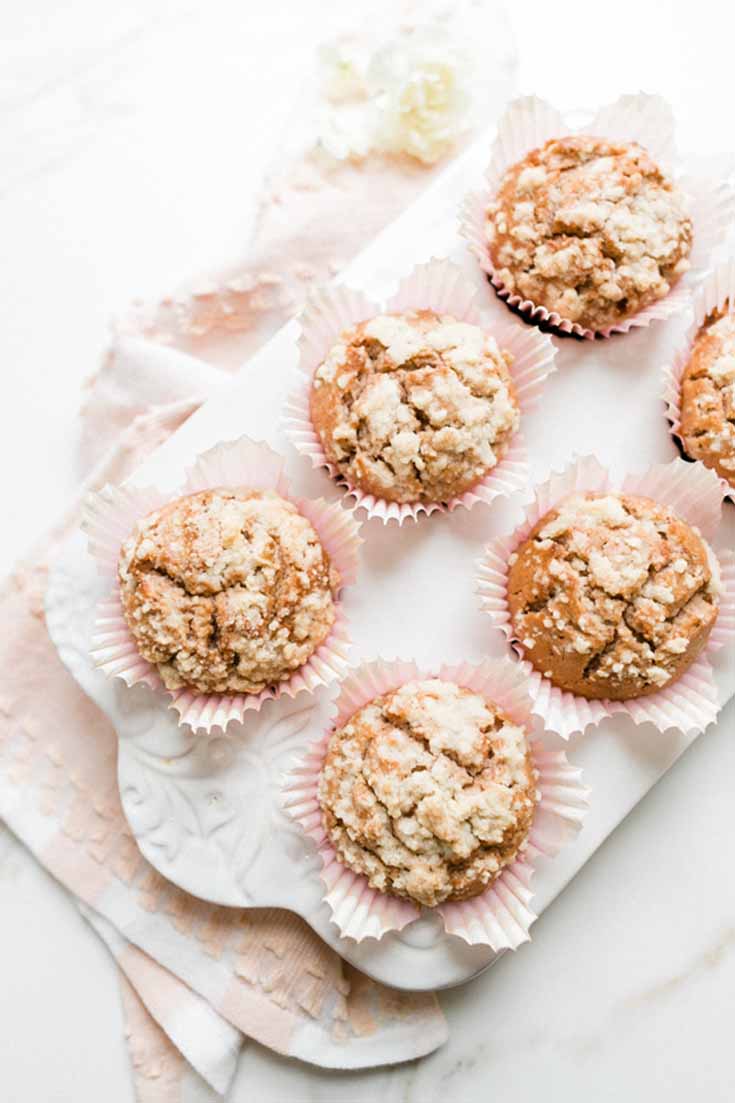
(414, 407)
(227, 591)
(429, 791)
(612, 595)
(708, 397)
(590, 229)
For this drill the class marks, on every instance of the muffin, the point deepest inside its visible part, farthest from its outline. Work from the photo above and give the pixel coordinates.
(612, 596)
(227, 591)
(708, 396)
(429, 791)
(414, 407)
(590, 229)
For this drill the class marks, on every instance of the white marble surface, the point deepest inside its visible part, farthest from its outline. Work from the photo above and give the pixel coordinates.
(108, 154)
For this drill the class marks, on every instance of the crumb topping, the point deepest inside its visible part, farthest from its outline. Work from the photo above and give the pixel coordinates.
(612, 595)
(708, 396)
(590, 229)
(414, 407)
(227, 591)
(429, 791)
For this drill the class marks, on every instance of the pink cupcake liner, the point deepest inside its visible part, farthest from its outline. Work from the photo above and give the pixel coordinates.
(691, 702)
(530, 122)
(439, 286)
(111, 515)
(716, 289)
(501, 916)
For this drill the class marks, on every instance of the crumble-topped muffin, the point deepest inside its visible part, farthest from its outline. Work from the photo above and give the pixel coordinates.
(708, 396)
(612, 596)
(590, 229)
(429, 791)
(227, 591)
(414, 407)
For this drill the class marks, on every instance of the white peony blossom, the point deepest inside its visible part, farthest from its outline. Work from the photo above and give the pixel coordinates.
(409, 98)
(342, 72)
(348, 136)
(422, 99)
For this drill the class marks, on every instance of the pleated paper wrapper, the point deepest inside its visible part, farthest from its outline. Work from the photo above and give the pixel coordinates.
(439, 286)
(716, 292)
(502, 915)
(690, 703)
(529, 123)
(110, 516)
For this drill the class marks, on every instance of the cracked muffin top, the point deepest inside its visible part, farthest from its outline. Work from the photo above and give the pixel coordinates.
(708, 397)
(227, 591)
(414, 407)
(612, 596)
(590, 229)
(429, 791)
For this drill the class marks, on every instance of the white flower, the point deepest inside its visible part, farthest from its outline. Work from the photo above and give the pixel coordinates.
(410, 97)
(421, 97)
(342, 72)
(347, 136)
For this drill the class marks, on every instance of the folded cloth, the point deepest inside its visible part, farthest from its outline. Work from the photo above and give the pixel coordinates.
(161, 1073)
(199, 1035)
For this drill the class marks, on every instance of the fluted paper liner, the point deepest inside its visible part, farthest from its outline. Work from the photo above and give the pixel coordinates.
(110, 516)
(530, 122)
(502, 915)
(690, 702)
(716, 291)
(439, 286)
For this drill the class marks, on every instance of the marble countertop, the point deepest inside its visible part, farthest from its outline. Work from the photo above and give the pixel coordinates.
(116, 125)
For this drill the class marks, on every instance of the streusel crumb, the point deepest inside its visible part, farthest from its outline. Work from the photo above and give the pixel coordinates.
(429, 791)
(227, 591)
(590, 229)
(612, 595)
(708, 397)
(414, 407)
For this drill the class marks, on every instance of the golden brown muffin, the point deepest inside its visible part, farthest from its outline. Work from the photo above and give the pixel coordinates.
(612, 595)
(227, 591)
(708, 397)
(429, 791)
(590, 229)
(414, 407)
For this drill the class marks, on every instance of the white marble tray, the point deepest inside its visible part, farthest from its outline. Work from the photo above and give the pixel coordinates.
(206, 813)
